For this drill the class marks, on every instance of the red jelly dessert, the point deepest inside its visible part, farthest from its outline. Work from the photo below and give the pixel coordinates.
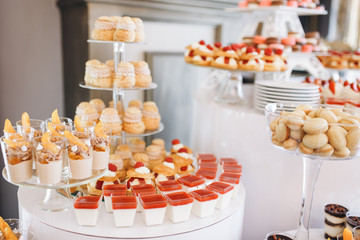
(228, 161)
(114, 190)
(169, 186)
(179, 198)
(232, 168)
(153, 201)
(204, 195)
(206, 158)
(207, 173)
(87, 202)
(124, 202)
(208, 165)
(145, 189)
(220, 187)
(191, 180)
(232, 178)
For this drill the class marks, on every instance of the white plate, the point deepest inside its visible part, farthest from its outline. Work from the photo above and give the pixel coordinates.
(261, 107)
(287, 85)
(289, 103)
(287, 90)
(286, 94)
(306, 98)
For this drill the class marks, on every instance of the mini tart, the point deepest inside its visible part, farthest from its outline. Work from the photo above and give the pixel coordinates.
(151, 117)
(201, 60)
(98, 74)
(173, 151)
(164, 170)
(124, 75)
(204, 50)
(142, 74)
(125, 30)
(111, 121)
(227, 52)
(180, 161)
(104, 29)
(224, 63)
(272, 63)
(131, 173)
(189, 169)
(337, 62)
(98, 104)
(139, 30)
(132, 121)
(251, 62)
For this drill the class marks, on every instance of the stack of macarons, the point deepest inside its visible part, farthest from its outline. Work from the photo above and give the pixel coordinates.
(312, 4)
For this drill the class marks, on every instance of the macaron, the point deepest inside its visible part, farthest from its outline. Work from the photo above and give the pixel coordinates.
(292, 3)
(259, 39)
(289, 41)
(307, 48)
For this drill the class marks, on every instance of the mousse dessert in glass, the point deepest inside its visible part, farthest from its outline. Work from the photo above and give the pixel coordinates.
(34, 126)
(80, 154)
(335, 218)
(101, 147)
(49, 158)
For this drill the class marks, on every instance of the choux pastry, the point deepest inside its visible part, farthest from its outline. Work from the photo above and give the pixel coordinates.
(282, 132)
(315, 126)
(304, 149)
(326, 150)
(290, 144)
(353, 138)
(294, 122)
(304, 108)
(315, 141)
(328, 115)
(336, 137)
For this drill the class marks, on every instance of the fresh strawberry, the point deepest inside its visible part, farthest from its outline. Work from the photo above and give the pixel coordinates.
(209, 47)
(278, 51)
(128, 184)
(227, 48)
(202, 42)
(175, 141)
(258, 50)
(354, 87)
(357, 53)
(250, 49)
(268, 51)
(241, 45)
(269, 61)
(226, 60)
(183, 150)
(203, 58)
(191, 53)
(346, 83)
(116, 182)
(245, 61)
(308, 79)
(317, 81)
(332, 86)
(323, 82)
(257, 60)
(112, 167)
(99, 185)
(218, 44)
(139, 164)
(183, 168)
(169, 159)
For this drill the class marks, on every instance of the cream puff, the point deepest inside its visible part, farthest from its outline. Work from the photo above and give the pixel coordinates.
(98, 74)
(140, 157)
(226, 58)
(272, 62)
(137, 145)
(165, 171)
(135, 103)
(190, 52)
(98, 104)
(104, 29)
(132, 122)
(251, 60)
(119, 107)
(183, 161)
(160, 142)
(151, 117)
(142, 74)
(155, 155)
(139, 175)
(139, 30)
(81, 107)
(125, 30)
(124, 152)
(177, 145)
(111, 121)
(124, 75)
(89, 116)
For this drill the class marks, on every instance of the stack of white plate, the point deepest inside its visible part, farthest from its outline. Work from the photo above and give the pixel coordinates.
(289, 93)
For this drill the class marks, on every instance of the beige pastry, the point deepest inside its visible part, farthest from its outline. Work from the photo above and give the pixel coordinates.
(124, 152)
(341, 153)
(325, 151)
(141, 157)
(290, 144)
(137, 145)
(312, 114)
(276, 142)
(142, 74)
(124, 75)
(98, 104)
(151, 117)
(304, 149)
(304, 108)
(155, 155)
(133, 121)
(274, 123)
(295, 122)
(307, 117)
(336, 137)
(111, 121)
(125, 30)
(353, 138)
(348, 123)
(315, 141)
(297, 135)
(135, 103)
(160, 142)
(98, 74)
(343, 115)
(282, 132)
(139, 30)
(328, 115)
(104, 29)
(315, 126)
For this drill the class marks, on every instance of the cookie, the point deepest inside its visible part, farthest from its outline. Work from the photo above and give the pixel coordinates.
(315, 126)
(282, 132)
(297, 135)
(341, 153)
(305, 108)
(353, 138)
(304, 149)
(336, 137)
(326, 150)
(295, 122)
(315, 140)
(290, 144)
(328, 115)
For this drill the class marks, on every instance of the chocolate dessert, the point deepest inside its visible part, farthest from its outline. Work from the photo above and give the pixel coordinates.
(335, 217)
(278, 237)
(352, 221)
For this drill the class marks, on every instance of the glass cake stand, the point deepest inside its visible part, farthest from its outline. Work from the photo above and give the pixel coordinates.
(311, 162)
(52, 200)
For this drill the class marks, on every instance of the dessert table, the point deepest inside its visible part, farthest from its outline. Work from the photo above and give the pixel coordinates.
(62, 225)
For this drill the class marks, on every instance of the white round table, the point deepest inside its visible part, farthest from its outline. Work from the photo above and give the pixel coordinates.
(63, 225)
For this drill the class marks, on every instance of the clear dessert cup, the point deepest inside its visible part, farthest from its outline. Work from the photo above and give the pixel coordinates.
(66, 124)
(101, 150)
(17, 150)
(208, 166)
(170, 186)
(356, 233)
(89, 127)
(80, 157)
(278, 236)
(204, 202)
(208, 174)
(87, 209)
(352, 219)
(19, 230)
(224, 191)
(153, 209)
(233, 179)
(49, 161)
(143, 189)
(37, 127)
(179, 206)
(192, 182)
(110, 191)
(316, 133)
(124, 209)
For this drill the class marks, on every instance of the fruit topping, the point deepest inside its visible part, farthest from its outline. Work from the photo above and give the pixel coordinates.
(209, 47)
(99, 185)
(183, 150)
(228, 48)
(169, 159)
(139, 164)
(226, 60)
(346, 83)
(218, 44)
(268, 51)
(202, 42)
(278, 51)
(183, 168)
(112, 167)
(250, 50)
(332, 86)
(354, 87)
(175, 141)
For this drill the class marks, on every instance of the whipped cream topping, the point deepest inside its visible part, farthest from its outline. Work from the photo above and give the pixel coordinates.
(203, 48)
(161, 177)
(132, 118)
(338, 90)
(176, 147)
(142, 71)
(24, 148)
(95, 72)
(89, 116)
(88, 142)
(189, 168)
(195, 45)
(187, 52)
(169, 165)
(39, 147)
(221, 60)
(253, 62)
(126, 26)
(74, 148)
(142, 170)
(348, 93)
(137, 182)
(199, 58)
(105, 25)
(231, 52)
(110, 174)
(184, 155)
(151, 114)
(110, 118)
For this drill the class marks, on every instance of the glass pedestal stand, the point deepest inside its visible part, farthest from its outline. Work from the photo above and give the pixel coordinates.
(54, 202)
(230, 90)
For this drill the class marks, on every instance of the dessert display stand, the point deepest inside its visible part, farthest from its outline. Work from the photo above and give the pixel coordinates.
(346, 74)
(62, 225)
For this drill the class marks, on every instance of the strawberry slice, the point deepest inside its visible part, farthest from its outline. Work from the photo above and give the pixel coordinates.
(268, 51)
(175, 141)
(308, 79)
(183, 150)
(258, 50)
(203, 58)
(129, 182)
(278, 51)
(99, 185)
(209, 47)
(269, 61)
(245, 61)
(332, 86)
(346, 83)
(257, 60)
(357, 53)
(226, 60)
(169, 159)
(354, 87)
(112, 167)
(323, 83)
(218, 44)
(139, 164)
(227, 48)
(191, 53)
(183, 168)
(202, 42)
(250, 49)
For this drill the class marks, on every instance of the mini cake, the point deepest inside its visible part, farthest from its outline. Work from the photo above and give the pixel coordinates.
(151, 117)
(272, 62)
(183, 161)
(160, 142)
(111, 121)
(140, 157)
(177, 145)
(139, 175)
(155, 155)
(104, 29)
(135, 103)
(139, 30)
(98, 74)
(98, 104)
(352, 222)
(227, 59)
(124, 152)
(137, 145)
(124, 75)
(142, 74)
(165, 171)
(125, 30)
(117, 160)
(132, 121)
(335, 218)
(251, 61)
